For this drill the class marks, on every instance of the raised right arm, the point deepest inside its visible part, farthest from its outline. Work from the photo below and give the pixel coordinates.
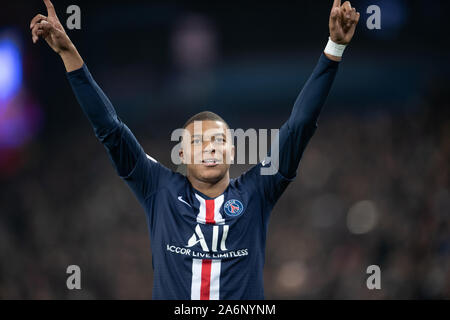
(128, 157)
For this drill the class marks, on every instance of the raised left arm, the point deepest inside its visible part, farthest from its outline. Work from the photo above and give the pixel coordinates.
(298, 130)
(272, 177)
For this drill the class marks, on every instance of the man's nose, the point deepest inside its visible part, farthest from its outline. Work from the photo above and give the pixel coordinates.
(209, 147)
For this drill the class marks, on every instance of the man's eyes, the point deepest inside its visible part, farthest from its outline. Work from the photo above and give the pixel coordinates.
(215, 139)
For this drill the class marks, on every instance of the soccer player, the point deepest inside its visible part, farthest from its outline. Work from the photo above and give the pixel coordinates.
(207, 231)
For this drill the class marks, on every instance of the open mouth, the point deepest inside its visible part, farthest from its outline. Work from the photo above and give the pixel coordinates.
(210, 162)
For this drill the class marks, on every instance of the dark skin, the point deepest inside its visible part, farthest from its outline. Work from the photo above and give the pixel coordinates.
(211, 142)
(342, 24)
(210, 179)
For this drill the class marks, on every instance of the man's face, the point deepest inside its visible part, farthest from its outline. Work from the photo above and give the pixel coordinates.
(207, 150)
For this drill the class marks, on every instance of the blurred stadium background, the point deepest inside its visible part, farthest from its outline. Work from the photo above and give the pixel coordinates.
(372, 188)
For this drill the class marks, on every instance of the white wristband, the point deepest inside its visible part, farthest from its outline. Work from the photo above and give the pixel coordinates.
(334, 49)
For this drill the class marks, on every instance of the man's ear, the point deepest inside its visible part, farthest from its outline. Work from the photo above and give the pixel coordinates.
(181, 154)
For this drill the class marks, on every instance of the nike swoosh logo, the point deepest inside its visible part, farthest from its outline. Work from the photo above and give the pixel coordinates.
(181, 199)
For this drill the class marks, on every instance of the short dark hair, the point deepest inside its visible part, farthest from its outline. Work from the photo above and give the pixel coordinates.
(205, 115)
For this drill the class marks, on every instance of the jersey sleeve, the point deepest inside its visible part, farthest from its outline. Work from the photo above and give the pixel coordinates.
(273, 174)
(142, 173)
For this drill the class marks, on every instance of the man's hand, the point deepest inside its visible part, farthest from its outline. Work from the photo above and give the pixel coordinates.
(343, 21)
(51, 30)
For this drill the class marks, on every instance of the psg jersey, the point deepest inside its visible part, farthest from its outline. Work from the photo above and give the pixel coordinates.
(208, 248)
(205, 248)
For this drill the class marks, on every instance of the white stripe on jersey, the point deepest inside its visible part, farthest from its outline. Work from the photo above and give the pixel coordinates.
(201, 217)
(215, 280)
(196, 279)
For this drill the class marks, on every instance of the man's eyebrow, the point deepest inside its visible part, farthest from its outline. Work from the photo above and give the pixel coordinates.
(221, 134)
(213, 135)
(218, 134)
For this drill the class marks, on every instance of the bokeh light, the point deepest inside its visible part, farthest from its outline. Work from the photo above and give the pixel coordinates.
(10, 69)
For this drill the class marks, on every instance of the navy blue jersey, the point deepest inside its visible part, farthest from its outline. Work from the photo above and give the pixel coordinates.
(205, 248)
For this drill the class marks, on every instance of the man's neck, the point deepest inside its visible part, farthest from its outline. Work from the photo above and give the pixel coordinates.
(211, 190)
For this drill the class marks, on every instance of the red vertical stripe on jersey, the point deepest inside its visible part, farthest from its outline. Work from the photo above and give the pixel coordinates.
(210, 212)
(206, 279)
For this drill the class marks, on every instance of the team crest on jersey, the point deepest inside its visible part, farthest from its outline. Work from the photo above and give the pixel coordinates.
(233, 207)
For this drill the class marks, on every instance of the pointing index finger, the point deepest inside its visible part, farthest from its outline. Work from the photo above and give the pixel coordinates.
(50, 8)
(336, 3)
